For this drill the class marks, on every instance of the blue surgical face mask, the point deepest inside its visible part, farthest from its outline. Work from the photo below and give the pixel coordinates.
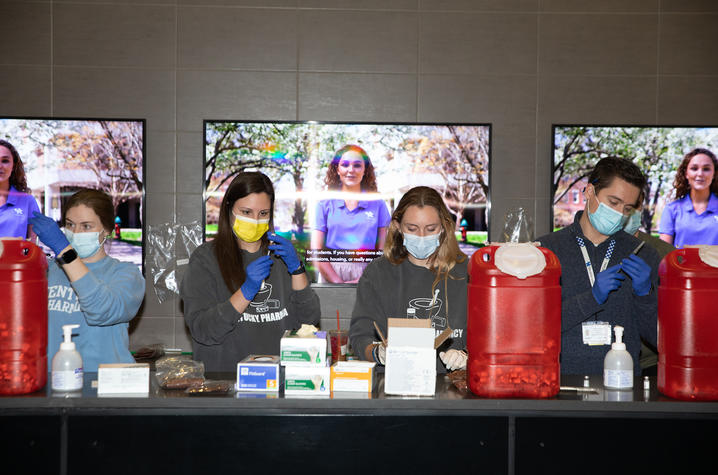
(606, 220)
(85, 244)
(421, 247)
(633, 223)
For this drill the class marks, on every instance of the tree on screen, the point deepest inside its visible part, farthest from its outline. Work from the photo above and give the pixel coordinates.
(657, 151)
(278, 150)
(460, 155)
(111, 150)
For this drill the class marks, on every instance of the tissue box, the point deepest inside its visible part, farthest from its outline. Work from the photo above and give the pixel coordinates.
(306, 380)
(410, 358)
(298, 351)
(354, 376)
(258, 373)
(123, 378)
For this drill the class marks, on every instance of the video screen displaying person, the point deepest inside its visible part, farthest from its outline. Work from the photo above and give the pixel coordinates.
(680, 203)
(337, 184)
(45, 161)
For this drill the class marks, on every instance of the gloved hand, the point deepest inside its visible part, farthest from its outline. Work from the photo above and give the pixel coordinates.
(285, 249)
(48, 232)
(639, 272)
(257, 271)
(379, 353)
(606, 282)
(453, 359)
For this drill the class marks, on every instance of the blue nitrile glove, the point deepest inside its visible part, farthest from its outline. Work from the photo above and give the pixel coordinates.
(49, 232)
(639, 272)
(257, 271)
(285, 249)
(606, 282)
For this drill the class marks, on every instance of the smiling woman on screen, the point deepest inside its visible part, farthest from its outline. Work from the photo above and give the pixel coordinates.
(350, 221)
(693, 217)
(16, 203)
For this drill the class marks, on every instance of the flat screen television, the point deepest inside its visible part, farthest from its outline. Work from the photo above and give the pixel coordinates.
(299, 159)
(62, 156)
(657, 150)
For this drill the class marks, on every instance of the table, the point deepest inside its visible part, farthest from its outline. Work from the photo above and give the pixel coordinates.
(171, 432)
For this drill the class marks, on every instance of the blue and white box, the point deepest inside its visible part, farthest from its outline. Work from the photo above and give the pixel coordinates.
(258, 373)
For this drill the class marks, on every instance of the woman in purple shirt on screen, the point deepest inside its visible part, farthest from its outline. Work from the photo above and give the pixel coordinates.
(16, 203)
(352, 221)
(693, 217)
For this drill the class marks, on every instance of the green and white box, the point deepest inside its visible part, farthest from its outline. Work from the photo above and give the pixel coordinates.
(307, 380)
(295, 350)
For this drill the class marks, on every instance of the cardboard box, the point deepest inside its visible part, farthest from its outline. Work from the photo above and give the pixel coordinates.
(123, 378)
(354, 376)
(303, 351)
(307, 380)
(258, 373)
(410, 358)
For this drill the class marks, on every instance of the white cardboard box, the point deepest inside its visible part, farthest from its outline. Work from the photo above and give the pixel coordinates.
(298, 351)
(123, 378)
(307, 380)
(410, 358)
(353, 376)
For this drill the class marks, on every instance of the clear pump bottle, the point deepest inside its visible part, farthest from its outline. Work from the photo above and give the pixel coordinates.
(67, 373)
(618, 364)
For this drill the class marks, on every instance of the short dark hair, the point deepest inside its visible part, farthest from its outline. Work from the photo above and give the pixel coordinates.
(609, 168)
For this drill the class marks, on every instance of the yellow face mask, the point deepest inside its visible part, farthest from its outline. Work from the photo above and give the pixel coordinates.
(248, 229)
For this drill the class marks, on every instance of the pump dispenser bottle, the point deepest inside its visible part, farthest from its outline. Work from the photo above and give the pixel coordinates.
(67, 374)
(618, 364)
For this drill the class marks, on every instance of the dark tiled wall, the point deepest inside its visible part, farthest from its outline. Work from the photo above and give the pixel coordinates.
(520, 64)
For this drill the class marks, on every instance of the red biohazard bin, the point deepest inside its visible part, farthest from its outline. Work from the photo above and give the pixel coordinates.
(23, 317)
(688, 324)
(514, 326)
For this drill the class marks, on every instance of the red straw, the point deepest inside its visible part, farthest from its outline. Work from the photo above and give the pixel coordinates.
(339, 328)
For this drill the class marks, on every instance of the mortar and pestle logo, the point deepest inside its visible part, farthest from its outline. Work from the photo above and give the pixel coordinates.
(262, 302)
(426, 309)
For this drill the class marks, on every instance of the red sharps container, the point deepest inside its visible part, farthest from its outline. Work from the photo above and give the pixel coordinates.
(688, 324)
(513, 330)
(23, 317)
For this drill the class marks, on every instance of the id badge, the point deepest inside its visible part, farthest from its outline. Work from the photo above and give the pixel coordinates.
(596, 333)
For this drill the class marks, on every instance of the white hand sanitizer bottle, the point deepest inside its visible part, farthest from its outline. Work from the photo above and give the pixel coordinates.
(618, 364)
(67, 374)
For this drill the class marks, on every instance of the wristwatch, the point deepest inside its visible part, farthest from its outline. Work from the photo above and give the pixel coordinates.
(67, 257)
(300, 270)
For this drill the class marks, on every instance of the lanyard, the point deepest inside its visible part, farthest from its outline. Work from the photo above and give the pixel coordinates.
(587, 260)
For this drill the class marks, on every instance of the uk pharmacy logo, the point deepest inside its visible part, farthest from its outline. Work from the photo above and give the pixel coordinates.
(18, 211)
(369, 214)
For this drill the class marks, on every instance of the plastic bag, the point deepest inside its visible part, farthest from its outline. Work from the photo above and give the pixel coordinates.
(169, 248)
(179, 372)
(210, 387)
(518, 226)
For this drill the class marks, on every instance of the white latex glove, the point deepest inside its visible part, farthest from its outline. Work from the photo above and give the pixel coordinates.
(381, 354)
(453, 359)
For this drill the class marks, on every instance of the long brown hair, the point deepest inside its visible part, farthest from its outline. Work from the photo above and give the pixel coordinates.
(680, 184)
(368, 181)
(225, 243)
(447, 255)
(18, 180)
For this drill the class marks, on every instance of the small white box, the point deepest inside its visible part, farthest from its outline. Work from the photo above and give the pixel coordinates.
(123, 378)
(307, 380)
(258, 373)
(303, 351)
(353, 376)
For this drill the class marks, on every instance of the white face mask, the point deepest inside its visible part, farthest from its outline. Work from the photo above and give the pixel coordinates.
(421, 247)
(85, 244)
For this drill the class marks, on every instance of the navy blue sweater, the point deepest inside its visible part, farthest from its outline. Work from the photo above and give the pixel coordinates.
(637, 314)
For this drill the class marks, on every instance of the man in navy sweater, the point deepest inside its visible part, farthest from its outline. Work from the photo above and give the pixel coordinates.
(603, 282)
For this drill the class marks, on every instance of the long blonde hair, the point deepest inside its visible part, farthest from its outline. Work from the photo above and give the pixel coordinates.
(447, 255)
